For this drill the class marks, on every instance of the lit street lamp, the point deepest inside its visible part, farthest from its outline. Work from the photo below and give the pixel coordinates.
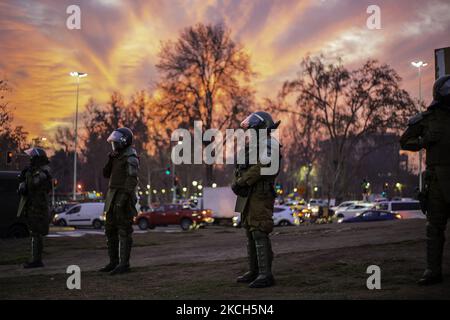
(419, 65)
(78, 75)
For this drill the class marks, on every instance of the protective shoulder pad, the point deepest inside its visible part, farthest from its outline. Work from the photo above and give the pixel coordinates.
(131, 152)
(133, 165)
(418, 117)
(133, 160)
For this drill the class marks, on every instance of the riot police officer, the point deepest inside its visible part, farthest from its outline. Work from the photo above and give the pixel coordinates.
(120, 204)
(430, 130)
(35, 183)
(256, 197)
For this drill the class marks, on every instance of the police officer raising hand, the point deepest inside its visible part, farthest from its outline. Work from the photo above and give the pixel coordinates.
(120, 204)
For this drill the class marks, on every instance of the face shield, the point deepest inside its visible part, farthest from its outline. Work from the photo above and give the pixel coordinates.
(32, 152)
(115, 139)
(37, 156)
(252, 121)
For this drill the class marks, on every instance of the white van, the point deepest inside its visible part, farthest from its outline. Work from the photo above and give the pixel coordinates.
(408, 209)
(83, 214)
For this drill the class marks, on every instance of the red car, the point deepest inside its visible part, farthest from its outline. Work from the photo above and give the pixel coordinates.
(173, 214)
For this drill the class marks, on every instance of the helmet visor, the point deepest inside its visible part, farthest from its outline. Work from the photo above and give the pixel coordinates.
(115, 136)
(252, 121)
(32, 152)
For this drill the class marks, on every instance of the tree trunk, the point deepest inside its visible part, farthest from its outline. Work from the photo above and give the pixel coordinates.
(209, 170)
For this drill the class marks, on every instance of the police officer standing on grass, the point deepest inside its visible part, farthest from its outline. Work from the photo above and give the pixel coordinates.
(120, 204)
(430, 130)
(35, 183)
(256, 197)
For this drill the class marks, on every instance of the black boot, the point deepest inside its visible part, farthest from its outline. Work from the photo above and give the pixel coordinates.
(429, 278)
(252, 272)
(113, 252)
(435, 247)
(37, 244)
(265, 257)
(125, 244)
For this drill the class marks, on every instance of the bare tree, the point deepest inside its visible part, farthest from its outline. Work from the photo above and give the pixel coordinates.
(205, 76)
(64, 139)
(349, 106)
(12, 138)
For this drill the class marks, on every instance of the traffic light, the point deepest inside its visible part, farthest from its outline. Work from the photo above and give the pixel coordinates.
(9, 157)
(385, 190)
(365, 185)
(168, 171)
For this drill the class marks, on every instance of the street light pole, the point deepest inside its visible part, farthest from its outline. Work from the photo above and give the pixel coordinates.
(78, 75)
(75, 147)
(174, 193)
(419, 65)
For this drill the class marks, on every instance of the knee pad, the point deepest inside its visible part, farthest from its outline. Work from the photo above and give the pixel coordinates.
(259, 235)
(123, 233)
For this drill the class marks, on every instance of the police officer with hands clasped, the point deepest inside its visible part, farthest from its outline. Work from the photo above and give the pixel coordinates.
(35, 183)
(255, 202)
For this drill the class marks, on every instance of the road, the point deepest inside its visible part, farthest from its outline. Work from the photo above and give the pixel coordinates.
(311, 262)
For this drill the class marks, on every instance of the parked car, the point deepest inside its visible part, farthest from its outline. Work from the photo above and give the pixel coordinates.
(173, 214)
(344, 205)
(409, 209)
(282, 216)
(372, 215)
(83, 214)
(353, 210)
(317, 202)
(10, 225)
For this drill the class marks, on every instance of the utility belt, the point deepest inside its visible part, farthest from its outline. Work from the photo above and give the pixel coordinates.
(422, 195)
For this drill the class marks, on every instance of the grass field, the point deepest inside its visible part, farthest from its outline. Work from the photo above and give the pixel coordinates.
(311, 262)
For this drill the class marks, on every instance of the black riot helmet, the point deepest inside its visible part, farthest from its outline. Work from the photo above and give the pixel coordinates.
(260, 120)
(37, 155)
(120, 138)
(441, 90)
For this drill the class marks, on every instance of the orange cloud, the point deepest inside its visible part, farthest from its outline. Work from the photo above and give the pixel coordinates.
(119, 42)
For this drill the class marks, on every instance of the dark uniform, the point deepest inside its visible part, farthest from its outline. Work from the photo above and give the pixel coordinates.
(35, 185)
(256, 197)
(430, 130)
(120, 204)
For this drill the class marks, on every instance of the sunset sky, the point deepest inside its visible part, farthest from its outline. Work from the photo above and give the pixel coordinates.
(119, 41)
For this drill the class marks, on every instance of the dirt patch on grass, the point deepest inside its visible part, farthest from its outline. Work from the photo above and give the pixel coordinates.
(327, 262)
